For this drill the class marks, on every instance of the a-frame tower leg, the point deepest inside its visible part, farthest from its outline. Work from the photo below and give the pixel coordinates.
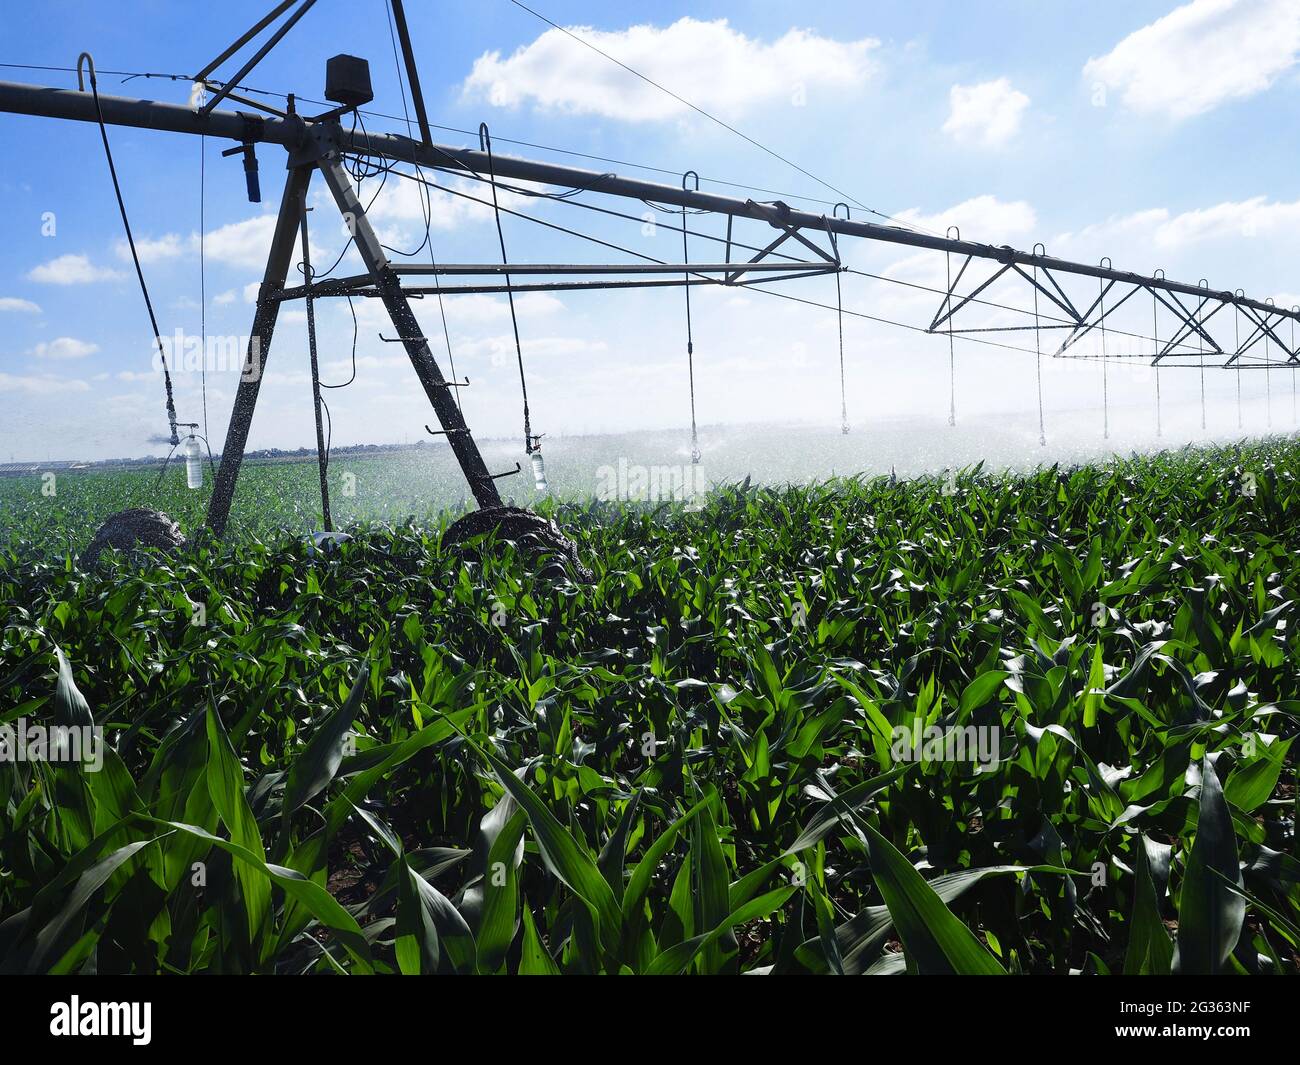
(399, 309)
(408, 329)
(259, 345)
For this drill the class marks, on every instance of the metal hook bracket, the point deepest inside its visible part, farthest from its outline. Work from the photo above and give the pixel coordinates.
(90, 62)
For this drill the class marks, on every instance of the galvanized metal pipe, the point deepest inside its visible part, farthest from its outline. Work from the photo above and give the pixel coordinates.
(292, 132)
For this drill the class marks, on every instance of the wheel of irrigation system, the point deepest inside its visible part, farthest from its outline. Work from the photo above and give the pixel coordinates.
(532, 532)
(133, 530)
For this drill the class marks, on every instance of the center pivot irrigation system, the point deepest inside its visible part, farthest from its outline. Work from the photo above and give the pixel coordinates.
(323, 143)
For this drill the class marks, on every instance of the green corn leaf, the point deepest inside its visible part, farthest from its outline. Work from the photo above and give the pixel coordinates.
(226, 787)
(934, 939)
(312, 771)
(1209, 915)
(1150, 950)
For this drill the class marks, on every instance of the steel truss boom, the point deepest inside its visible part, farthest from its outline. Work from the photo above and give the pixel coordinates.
(293, 133)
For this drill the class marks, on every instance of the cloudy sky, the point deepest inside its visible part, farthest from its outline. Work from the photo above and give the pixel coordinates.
(1155, 134)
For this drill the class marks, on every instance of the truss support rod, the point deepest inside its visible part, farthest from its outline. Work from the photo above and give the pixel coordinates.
(776, 216)
(412, 73)
(1266, 324)
(389, 288)
(602, 268)
(947, 299)
(944, 315)
(1086, 327)
(1197, 320)
(245, 37)
(1065, 307)
(761, 254)
(292, 132)
(1071, 310)
(258, 56)
(328, 288)
(1188, 326)
(1192, 319)
(1256, 335)
(259, 346)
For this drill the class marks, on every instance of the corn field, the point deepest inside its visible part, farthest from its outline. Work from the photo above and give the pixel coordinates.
(975, 724)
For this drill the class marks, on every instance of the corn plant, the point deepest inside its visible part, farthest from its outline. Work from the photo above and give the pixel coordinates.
(988, 723)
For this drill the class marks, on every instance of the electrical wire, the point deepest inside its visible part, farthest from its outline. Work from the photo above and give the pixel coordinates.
(135, 257)
(203, 274)
(704, 278)
(713, 118)
(1200, 347)
(732, 243)
(1057, 321)
(1105, 384)
(426, 207)
(529, 439)
(128, 75)
(839, 321)
(690, 343)
(1236, 333)
(362, 173)
(952, 362)
(354, 350)
(1268, 380)
(712, 280)
(1155, 333)
(1038, 363)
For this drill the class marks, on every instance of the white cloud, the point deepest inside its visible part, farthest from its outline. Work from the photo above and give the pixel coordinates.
(13, 303)
(71, 270)
(40, 384)
(168, 246)
(403, 201)
(64, 348)
(222, 298)
(988, 113)
(481, 308)
(1201, 55)
(1231, 220)
(984, 218)
(709, 63)
(500, 350)
(242, 244)
(1249, 218)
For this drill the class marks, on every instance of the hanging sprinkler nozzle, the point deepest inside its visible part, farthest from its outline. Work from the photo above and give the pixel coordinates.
(534, 447)
(193, 456)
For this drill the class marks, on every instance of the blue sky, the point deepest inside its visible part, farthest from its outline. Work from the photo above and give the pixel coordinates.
(1151, 132)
